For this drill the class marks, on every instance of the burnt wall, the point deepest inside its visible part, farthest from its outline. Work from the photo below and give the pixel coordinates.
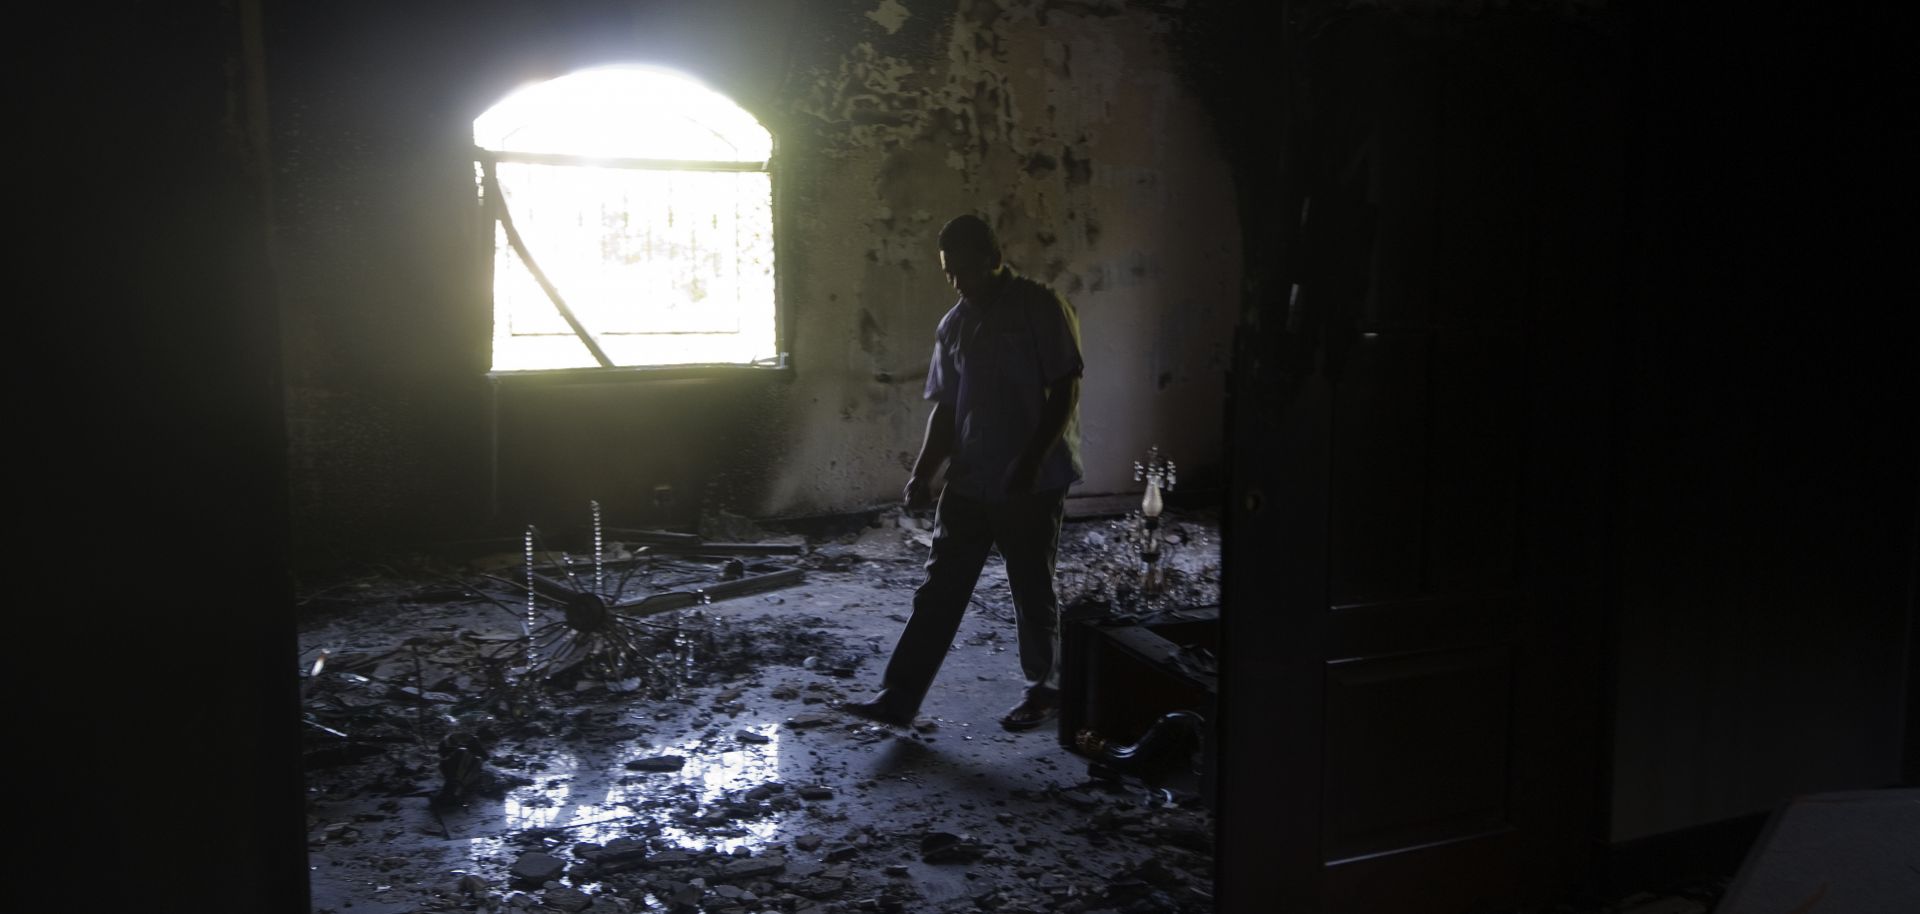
(1066, 124)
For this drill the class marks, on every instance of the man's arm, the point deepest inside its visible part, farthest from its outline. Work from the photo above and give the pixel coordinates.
(1062, 396)
(935, 448)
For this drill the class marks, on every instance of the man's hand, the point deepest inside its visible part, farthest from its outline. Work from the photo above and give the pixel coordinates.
(934, 451)
(915, 494)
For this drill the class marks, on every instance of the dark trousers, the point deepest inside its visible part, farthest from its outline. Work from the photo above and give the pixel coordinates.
(1026, 529)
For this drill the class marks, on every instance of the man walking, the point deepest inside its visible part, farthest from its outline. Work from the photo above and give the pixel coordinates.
(1005, 383)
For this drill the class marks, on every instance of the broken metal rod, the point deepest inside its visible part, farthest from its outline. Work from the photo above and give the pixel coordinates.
(505, 219)
(662, 541)
(653, 536)
(587, 562)
(667, 602)
(755, 583)
(729, 548)
(725, 590)
(677, 548)
(309, 721)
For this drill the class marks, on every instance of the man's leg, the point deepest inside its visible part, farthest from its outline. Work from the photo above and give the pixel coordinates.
(961, 538)
(1028, 533)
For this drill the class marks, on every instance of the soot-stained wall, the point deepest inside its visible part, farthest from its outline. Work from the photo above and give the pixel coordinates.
(1066, 124)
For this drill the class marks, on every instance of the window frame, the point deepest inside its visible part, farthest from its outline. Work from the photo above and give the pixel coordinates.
(489, 211)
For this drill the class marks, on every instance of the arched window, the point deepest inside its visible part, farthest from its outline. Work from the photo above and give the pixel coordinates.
(633, 224)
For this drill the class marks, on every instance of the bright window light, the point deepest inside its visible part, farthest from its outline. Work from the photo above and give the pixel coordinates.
(644, 199)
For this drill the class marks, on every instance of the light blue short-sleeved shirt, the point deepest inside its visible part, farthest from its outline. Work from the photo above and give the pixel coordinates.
(993, 361)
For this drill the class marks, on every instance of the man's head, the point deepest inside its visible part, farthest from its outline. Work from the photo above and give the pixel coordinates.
(969, 253)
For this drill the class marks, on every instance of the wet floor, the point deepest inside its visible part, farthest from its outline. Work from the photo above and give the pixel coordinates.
(777, 803)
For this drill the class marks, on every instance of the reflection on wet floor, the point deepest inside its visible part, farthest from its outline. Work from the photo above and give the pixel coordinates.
(824, 813)
(598, 804)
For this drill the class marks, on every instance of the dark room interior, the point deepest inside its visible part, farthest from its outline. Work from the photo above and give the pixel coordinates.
(1543, 372)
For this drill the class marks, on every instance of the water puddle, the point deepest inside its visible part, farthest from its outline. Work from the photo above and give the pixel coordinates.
(600, 804)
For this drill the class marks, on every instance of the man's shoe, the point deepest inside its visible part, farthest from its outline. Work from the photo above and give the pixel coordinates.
(1029, 713)
(878, 711)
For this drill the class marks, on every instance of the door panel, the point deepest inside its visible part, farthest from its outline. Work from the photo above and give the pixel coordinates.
(1429, 879)
(1483, 155)
(1405, 765)
(1425, 430)
(1408, 625)
(1472, 488)
(1426, 425)
(1402, 270)
(1380, 432)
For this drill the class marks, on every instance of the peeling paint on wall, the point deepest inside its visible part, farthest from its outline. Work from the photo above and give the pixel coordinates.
(890, 14)
(1066, 126)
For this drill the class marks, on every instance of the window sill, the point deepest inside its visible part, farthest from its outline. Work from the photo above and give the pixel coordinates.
(636, 374)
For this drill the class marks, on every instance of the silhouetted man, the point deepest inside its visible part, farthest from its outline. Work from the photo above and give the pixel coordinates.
(1005, 383)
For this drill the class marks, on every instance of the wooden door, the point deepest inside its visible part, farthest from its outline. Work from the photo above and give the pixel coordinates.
(1410, 620)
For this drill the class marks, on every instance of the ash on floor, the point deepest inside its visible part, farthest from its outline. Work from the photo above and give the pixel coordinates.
(723, 781)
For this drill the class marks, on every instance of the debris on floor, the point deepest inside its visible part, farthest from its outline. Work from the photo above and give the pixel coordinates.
(709, 771)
